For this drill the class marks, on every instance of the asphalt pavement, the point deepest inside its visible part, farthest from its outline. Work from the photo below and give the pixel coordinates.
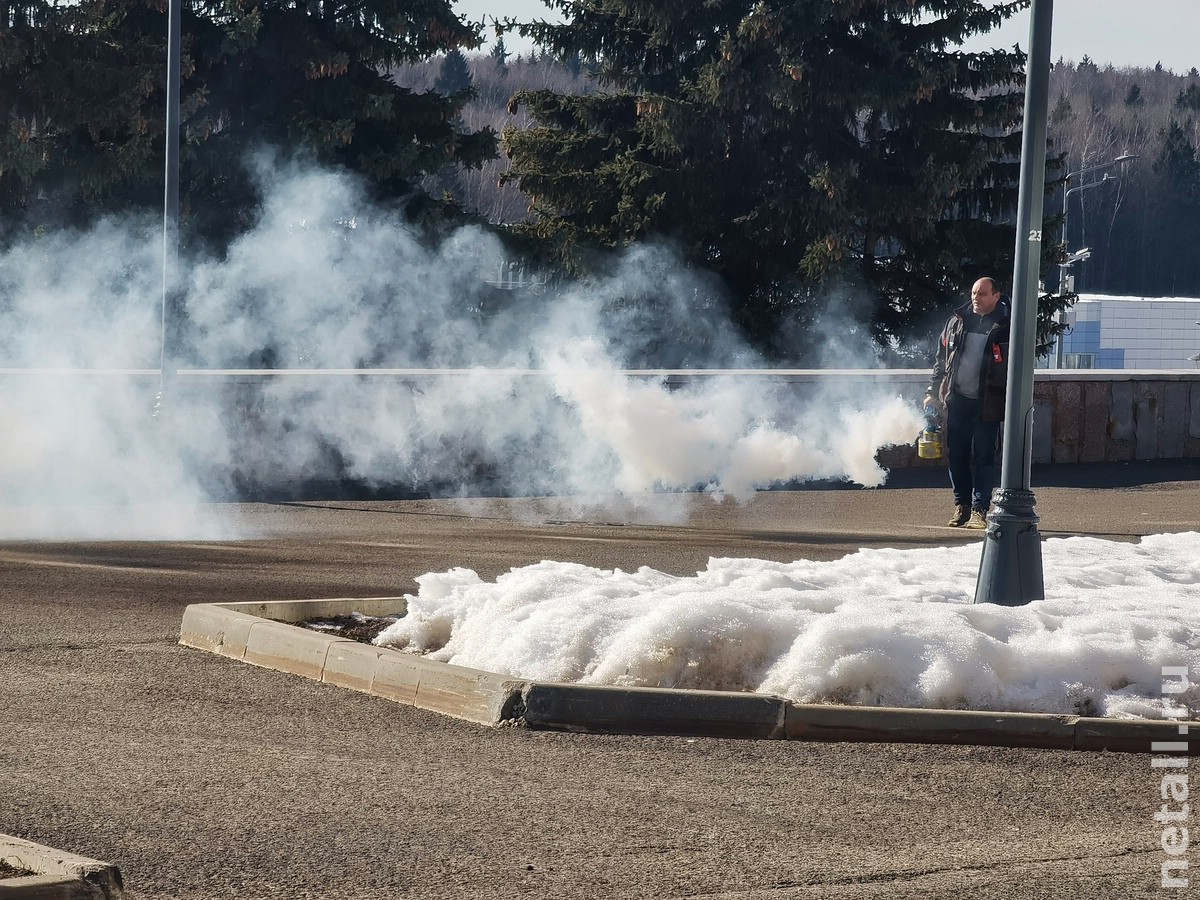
(202, 778)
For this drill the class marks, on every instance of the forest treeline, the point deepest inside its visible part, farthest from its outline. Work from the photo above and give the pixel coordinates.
(830, 164)
(492, 79)
(1141, 223)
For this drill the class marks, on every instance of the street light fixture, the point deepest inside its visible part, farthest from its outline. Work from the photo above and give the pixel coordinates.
(1108, 177)
(1080, 255)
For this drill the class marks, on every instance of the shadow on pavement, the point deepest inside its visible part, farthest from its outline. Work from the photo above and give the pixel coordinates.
(1072, 475)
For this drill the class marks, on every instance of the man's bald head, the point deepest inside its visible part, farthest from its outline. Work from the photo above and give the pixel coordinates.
(984, 296)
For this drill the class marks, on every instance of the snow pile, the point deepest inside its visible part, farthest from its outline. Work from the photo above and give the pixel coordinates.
(878, 627)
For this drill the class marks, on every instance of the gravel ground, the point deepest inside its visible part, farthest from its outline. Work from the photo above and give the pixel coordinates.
(205, 778)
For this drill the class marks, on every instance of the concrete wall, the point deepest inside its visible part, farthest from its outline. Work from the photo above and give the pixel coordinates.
(1080, 416)
(1083, 416)
(1117, 417)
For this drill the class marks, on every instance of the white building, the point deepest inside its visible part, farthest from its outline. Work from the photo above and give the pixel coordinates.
(1132, 333)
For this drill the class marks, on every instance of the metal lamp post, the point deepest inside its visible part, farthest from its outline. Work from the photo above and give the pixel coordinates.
(1010, 572)
(1071, 257)
(1083, 254)
(169, 327)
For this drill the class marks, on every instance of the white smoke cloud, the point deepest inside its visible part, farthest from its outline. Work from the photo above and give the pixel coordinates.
(538, 403)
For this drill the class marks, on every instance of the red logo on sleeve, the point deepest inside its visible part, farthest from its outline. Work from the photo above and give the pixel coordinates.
(997, 353)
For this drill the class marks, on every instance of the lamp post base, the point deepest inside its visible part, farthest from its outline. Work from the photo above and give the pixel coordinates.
(1011, 571)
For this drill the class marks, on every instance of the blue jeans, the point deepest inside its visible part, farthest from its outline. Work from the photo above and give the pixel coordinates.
(970, 452)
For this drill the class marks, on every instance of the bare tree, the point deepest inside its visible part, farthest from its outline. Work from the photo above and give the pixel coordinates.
(480, 190)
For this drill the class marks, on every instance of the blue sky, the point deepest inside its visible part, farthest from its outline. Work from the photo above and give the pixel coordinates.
(1121, 32)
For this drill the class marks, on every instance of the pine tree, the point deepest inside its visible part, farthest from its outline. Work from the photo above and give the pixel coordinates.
(1189, 98)
(573, 64)
(1178, 218)
(1062, 109)
(795, 148)
(454, 75)
(78, 84)
(1178, 162)
(82, 100)
(499, 54)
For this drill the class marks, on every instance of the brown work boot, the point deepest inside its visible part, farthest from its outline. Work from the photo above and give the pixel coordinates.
(962, 512)
(978, 519)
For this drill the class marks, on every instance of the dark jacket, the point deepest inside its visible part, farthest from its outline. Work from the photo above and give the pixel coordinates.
(995, 361)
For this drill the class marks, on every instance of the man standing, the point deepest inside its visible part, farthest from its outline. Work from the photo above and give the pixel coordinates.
(970, 376)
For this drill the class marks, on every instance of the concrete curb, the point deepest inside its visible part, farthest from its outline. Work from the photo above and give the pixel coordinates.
(58, 875)
(262, 634)
(595, 708)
